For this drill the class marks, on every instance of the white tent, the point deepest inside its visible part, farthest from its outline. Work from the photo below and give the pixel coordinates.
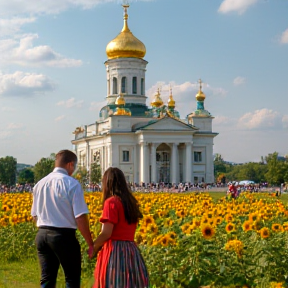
(246, 182)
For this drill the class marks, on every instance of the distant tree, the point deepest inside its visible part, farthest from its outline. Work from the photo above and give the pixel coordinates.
(8, 170)
(276, 169)
(25, 175)
(43, 167)
(82, 176)
(220, 168)
(95, 173)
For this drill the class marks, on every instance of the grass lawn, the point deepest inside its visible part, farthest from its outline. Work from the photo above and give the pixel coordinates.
(27, 275)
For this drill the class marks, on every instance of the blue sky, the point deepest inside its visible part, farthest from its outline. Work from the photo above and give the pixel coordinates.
(53, 79)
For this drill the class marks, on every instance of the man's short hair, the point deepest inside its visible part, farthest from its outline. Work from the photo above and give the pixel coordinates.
(64, 157)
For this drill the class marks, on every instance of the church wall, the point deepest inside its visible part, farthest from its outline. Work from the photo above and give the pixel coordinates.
(203, 123)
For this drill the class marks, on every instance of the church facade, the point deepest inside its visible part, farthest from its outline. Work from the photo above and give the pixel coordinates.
(148, 143)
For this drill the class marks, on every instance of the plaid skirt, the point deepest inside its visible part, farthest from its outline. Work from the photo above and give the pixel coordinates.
(120, 265)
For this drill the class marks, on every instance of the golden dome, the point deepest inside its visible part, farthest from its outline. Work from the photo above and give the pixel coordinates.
(120, 100)
(157, 101)
(125, 44)
(200, 96)
(171, 101)
(122, 112)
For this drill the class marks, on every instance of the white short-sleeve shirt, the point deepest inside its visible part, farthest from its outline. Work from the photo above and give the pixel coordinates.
(57, 200)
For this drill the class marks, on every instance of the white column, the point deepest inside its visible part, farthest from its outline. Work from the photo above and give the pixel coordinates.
(108, 156)
(144, 162)
(103, 160)
(174, 162)
(188, 161)
(135, 164)
(153, 163)
(87, 156)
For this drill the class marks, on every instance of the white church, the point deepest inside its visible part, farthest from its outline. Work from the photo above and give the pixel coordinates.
(149, 143)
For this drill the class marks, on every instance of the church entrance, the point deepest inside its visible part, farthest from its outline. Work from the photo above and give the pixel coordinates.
(163, 153)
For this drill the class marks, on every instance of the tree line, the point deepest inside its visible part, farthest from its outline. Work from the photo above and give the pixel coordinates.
(9, 175)
(272, 169)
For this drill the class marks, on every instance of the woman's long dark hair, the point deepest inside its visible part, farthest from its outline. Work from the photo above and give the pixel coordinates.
(114, 184)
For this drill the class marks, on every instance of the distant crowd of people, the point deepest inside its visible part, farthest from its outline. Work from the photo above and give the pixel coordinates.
(16, 188)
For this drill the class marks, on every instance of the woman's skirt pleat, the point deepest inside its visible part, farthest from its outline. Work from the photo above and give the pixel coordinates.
(120, 265)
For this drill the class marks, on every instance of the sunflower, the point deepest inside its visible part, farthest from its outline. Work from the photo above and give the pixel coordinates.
(218, 220)
(196, 222)
(181, 214)
(253, 217)
(230, 227)
(148, 220)
(236, 246)
(168, 222)
(164, 241)
(185, 227)
(153, 228)
(229, 217)
(277, 227)
(172, 235)
(285, 226)
(247, 226)
(264, 232)
(207, 231)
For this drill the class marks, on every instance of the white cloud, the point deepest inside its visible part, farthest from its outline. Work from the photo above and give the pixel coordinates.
(22, 52)
(71, 103)
(24, 84)
(13, 25)
(8, 131)
(60, 118)
(15, 126)
(222, 120)
(34, 7)
(285, 121)
(239, 6)
(284, 37)
(96, 106)
(239, 81)
(184, 94)
(260, 119)
(8, 109)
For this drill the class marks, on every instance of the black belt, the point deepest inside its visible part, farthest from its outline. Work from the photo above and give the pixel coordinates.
(58, 229)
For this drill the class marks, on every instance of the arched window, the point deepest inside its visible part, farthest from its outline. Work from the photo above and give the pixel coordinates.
(123, 85)
(134, 85)
(142, 86)
(115, 85)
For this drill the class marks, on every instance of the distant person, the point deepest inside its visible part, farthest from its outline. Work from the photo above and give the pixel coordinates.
(119, 263)
(59, 209)
(232, 190)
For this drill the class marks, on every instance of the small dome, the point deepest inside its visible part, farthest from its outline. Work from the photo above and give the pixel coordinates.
(171, 101)
(125, 45)
(120, 100)
(200, 96)
(157, 101)
(122, 112)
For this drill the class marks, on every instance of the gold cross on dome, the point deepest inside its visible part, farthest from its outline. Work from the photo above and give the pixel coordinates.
(200, 83)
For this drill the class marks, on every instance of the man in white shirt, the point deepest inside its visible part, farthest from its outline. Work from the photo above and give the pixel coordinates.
(59, 209)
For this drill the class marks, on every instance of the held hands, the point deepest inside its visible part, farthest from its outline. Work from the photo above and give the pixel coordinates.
(91, 252)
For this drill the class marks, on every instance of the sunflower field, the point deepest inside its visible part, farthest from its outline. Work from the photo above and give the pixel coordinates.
(186, 239)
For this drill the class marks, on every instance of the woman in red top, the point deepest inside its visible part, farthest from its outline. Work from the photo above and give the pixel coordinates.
(119, 263)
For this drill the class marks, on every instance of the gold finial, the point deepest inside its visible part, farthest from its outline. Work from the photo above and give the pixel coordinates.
(171, 101)
(120, 101)
(157, 101)
(125, 7)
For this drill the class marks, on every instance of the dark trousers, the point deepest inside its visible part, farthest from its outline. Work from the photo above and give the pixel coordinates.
(57, 246)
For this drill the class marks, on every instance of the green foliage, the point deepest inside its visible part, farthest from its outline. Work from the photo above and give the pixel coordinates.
(82, 176)
(26, 175)
(43, 167)
(95, 173)
(8, 169)
(270, 169)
